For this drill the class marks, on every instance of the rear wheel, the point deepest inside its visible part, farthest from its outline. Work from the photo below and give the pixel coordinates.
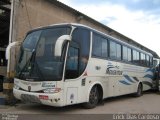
(139, 91)
(93, 98)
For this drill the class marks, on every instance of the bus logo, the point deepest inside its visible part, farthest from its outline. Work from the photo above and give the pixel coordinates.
(113, 70)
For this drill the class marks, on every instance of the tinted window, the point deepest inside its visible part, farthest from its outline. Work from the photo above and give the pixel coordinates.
(135, 57)
(138, 58)
(72, 63)
(97, 46)
(147, 60)
(104, 47)
(119, 52)
(129, 55)
(113, 49)
(125, 53)
(82, 38)
(100, 46)
(143, 60)
(151, 61)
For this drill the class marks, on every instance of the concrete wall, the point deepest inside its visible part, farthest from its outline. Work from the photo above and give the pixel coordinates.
(35, 13)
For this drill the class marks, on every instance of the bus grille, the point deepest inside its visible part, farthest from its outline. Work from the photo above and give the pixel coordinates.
(30, 98)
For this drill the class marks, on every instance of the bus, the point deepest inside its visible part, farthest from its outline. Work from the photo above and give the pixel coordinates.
(66, 64)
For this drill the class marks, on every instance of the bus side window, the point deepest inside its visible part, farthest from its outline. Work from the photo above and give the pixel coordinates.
(72, 70)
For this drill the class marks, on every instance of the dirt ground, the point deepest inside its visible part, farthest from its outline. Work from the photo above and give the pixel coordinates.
(149, 103)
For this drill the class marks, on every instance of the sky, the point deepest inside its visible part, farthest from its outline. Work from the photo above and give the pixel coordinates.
(136, 19)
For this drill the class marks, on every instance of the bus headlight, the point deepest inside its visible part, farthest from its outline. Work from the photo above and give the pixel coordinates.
(52, 90)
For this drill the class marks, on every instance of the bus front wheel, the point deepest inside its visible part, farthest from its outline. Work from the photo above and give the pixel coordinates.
(93, 98)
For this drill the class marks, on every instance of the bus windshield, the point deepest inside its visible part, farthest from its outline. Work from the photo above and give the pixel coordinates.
(37, 61)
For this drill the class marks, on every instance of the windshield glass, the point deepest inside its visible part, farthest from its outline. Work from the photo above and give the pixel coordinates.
(37, 61)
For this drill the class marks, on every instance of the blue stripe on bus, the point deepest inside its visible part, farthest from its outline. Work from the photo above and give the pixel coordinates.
(136, 79)
(129, 79)
(110, 67)
(149, 70)
(124, 82)
(148, 76)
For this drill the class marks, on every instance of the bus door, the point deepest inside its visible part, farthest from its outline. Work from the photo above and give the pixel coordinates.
(71, 73)
(112, 89)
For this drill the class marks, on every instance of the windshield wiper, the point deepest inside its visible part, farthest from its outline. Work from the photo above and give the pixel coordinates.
(31, 62)
(26, 65)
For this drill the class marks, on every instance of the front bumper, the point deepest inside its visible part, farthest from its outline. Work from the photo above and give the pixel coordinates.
(54, 99)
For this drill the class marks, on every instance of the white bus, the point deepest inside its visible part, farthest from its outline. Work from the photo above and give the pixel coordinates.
(69, 64)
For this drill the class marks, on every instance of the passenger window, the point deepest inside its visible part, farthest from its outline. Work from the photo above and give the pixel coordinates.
(119, 52)
(151, 61)
(104, 48)
(147, 60)
(138, 58)
(125, 53)
(129, 55)
(97, 46)
(112, 50)
(100, 46)
(135, 57)
(143, 60)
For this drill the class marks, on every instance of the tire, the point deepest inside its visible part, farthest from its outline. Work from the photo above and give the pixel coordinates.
(139, 91)
(93, 98)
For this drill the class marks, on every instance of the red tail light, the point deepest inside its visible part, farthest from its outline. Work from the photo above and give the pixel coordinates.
(43, 97)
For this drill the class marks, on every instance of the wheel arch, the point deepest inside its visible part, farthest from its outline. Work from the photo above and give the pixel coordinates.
(100, 89)
(140, 83)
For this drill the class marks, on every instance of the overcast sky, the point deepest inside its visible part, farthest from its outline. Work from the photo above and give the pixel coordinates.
(136, 19)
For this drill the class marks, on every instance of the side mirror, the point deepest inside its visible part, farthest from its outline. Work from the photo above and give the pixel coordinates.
(10, 46)
(59, 43)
